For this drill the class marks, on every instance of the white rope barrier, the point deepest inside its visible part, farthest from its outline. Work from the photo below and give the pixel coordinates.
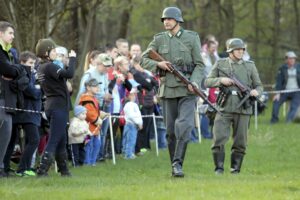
(282, 91)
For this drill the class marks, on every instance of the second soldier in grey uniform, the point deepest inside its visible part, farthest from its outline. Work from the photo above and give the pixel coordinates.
(237, 118)
(182, 48)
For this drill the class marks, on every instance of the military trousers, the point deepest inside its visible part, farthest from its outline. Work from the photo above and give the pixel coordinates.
(179, 116)
(223, 124)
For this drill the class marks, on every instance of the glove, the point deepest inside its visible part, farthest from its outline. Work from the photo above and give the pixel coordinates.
(99, 122)
(103, 115)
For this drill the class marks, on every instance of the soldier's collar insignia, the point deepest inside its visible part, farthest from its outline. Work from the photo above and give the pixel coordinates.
(179, 33)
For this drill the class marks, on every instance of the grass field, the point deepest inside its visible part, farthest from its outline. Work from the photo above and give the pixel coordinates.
(271, 171)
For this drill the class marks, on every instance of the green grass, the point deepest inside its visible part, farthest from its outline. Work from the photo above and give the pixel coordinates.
(270, 171)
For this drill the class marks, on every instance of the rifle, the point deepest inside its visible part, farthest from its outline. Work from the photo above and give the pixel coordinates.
(155, 56)
(245, 90)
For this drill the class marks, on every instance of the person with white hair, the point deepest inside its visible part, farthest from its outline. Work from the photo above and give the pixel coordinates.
(288, 78)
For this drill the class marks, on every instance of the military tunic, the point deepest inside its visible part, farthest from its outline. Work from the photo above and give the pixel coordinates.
(239, 118)
(183, 49)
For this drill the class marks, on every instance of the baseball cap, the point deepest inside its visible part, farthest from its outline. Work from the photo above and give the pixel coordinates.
(92, 83)
(105, 59)
(290, 54)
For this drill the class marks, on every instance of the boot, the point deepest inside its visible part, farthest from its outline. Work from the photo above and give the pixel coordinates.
(3, 174)
(45, 164)
(62, 164)
(219, 158)
(178, 158)
(236, 162)
(177, 170)
(171, 148)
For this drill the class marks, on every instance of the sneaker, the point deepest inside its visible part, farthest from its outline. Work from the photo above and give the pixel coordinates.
(26, 173)
(143, 150)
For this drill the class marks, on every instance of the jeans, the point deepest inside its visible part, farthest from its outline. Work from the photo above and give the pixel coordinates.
(294, 104)
(92, 149)
(103, 135)
(104, 129)
(78, 154)
(58, 136)
(5, 132)
(205, 127)
(161, 137)
(32, 142)
(129, 140)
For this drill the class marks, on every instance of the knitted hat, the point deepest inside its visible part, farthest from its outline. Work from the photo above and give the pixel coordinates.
(43, 46)
(78, 110)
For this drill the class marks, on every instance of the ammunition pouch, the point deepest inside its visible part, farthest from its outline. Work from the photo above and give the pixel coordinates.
(223, 96)
(248, 103)
(187, 69)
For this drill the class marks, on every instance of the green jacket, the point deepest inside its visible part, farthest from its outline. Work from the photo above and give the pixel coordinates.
(245, 71)
(181, 49)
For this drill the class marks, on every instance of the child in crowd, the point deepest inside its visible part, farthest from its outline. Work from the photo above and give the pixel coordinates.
(78, 132)
(94, 117)
(28, 120)
(134, 122)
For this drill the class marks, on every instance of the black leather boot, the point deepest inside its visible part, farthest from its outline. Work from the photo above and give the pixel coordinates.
(178, 159)
(62, 164)
(171, 148)
(3, 173)
(236, 162)
(219, 158)
(46, 161)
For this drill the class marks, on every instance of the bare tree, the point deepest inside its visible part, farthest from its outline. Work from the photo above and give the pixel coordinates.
(256, 28)
(296, 8)
(276, 31)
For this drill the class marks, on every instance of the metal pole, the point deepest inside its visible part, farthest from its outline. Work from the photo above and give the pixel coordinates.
(155, 133)
(255, 113)
(112, 141)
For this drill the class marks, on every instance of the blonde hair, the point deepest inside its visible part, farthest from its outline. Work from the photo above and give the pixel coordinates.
(119, 60)
(89, 56)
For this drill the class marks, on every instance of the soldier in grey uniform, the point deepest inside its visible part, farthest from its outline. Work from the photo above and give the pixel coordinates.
(237, 118)
(181, 48)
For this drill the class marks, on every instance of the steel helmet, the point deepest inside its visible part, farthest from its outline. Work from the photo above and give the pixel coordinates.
(173, 13)
(235, 43)
(43, 46)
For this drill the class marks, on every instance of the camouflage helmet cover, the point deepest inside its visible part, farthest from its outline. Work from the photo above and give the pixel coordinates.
(234, 43)
(173, 13)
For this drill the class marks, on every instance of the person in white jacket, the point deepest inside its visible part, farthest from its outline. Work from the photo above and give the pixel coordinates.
(78, 134)
(134, 122)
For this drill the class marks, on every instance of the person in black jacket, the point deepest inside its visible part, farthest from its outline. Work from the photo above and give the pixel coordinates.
(8, 72)
(52, 79)
(288, 78)
(29, 121)
(148, 87)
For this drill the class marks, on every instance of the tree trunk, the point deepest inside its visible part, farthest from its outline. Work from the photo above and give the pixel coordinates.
(297, 21)
(125, 17)
(256, 28)
(276, 31)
